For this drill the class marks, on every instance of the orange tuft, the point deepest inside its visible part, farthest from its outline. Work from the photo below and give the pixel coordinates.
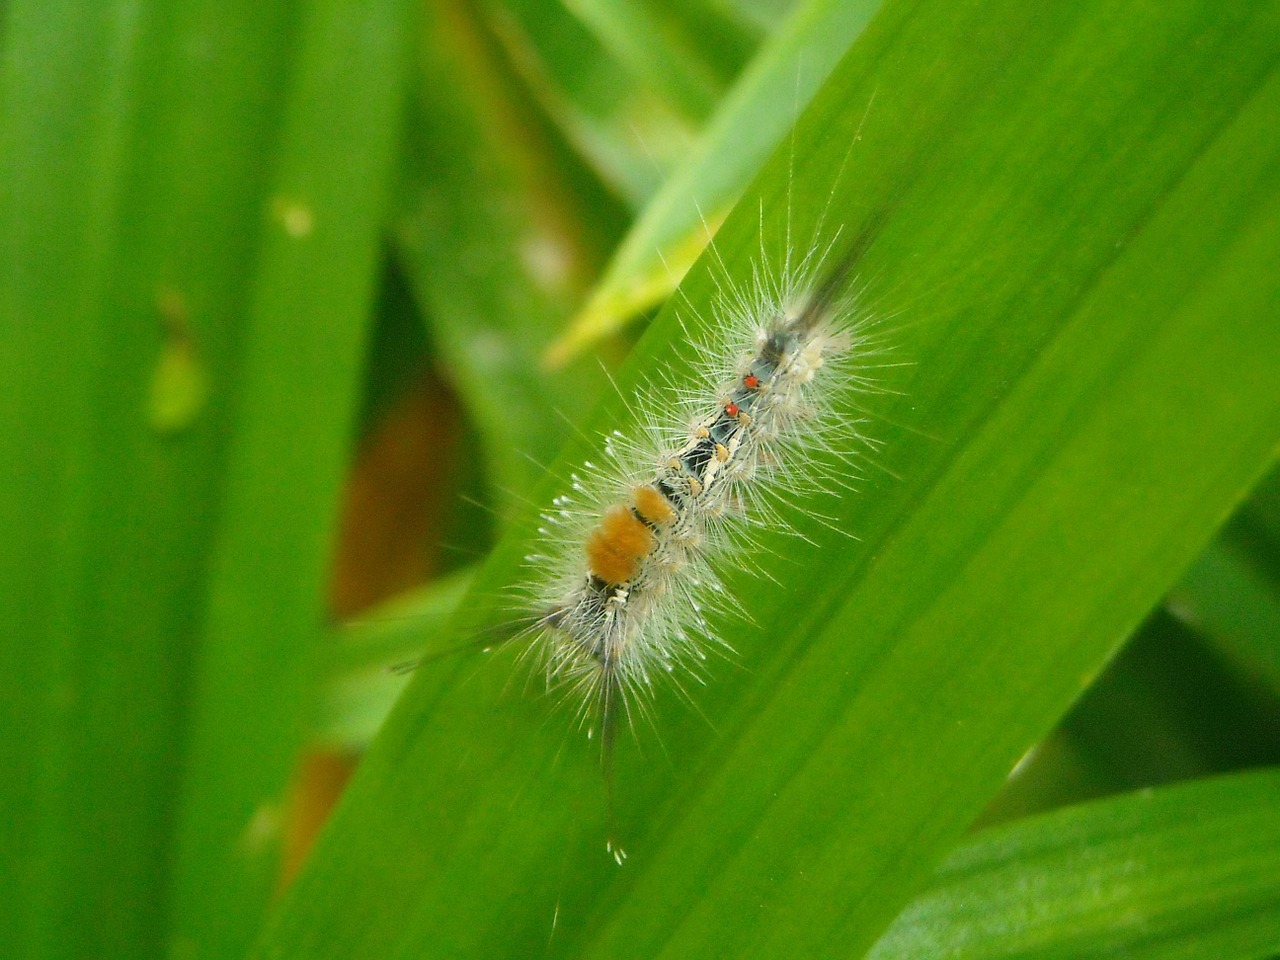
(653, 506)
(617, 546)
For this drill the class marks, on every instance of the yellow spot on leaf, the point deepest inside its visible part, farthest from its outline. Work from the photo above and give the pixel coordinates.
(297, 218)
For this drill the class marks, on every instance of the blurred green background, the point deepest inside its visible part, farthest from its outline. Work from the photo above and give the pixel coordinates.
(310, 306)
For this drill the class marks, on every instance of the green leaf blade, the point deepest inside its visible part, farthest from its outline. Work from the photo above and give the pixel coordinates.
(1186, 871)
(303, 349)
(1079, 231)
(101, 585)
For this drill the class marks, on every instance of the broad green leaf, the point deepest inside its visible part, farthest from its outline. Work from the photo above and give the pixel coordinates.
(1079, 223)
(750, 121)
(1186, 871)
(303, 351)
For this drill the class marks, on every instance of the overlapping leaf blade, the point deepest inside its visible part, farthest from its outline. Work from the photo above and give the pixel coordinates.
(1185, 871)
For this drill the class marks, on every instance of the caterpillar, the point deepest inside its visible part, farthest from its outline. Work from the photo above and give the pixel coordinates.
(621, 595)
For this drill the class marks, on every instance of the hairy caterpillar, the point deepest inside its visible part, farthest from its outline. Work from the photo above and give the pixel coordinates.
(619, 595)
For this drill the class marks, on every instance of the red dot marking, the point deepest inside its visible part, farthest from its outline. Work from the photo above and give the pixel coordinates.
(731, 409)
(751, 381)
